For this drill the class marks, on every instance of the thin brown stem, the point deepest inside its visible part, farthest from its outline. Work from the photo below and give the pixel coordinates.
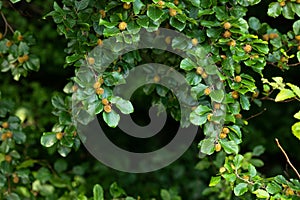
(294, 64)
(289, 65)
(257, 114)
(287, 158)
(7, 25)
(245, 180)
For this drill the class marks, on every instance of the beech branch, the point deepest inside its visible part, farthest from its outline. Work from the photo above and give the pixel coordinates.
(287, 158)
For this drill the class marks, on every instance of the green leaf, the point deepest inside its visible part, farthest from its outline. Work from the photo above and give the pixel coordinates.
(197, 90)
(229, 177)
(237, 161)
(252, 170)
(43, 174)
(165, 195)
(257, 162)
(80, 5)
(187, 64)
(124, 106)
(58, 8)
(213, 33)
(298, 55)
(113, 78)
(245, 103)
(260, 193)
(203, 164)
(296, 29)
(198, 120)
(221, 12)
(280, 179)
(154, 13)
(48, 139)
(19, 137)
(27, 164)
(248, 2)
(12, 196)
(240, 189)
(284, 94)
(60, 165)
(130, 198)
(229, 146)
(195, 3)
(274, 9)
(108, 32)
(137, 6)
(98, 192)
(177, 24)
(297, 115)
(63, 150)
(15, 1)
(107, 24)
(205, 12)
(58, 102)
(201, 110)
(214, 181)
(143, 21)
(258, 150)
(112, 119)
(296, 9)
(295, 89)
(116, 191)
(192, 78)
(236, 129)
(287, 11)
(73, 58)
(273, 188)
(276, 42)
(296, 130)
(254, 23)
(217, 95)
(207, 146)
(205, 3)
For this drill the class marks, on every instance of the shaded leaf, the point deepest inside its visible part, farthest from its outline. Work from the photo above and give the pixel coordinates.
(48, 139)
(240, 189)
(258, 150)
(116, 191)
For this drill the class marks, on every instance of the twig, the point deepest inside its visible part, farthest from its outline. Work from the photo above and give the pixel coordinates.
(289, 65)
(287, 158)
(294, 64)
(6, 24)
(257, 114)
(245, 180)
